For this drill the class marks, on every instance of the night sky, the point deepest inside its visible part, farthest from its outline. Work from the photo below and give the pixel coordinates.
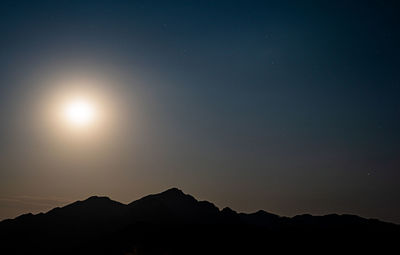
(288, 106)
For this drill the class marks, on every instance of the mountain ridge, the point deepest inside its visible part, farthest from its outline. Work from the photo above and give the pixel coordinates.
(167, 217)
(175, 193)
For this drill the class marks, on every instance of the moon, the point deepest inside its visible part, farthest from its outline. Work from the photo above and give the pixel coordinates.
(79, 112)
(76, 108)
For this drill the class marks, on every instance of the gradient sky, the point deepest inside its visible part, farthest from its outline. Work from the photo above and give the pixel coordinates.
(288, 106)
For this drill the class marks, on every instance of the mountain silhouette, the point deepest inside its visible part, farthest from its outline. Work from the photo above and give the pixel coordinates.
(172, 222)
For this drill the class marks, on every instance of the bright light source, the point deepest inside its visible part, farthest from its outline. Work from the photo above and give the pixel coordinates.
(79, 112)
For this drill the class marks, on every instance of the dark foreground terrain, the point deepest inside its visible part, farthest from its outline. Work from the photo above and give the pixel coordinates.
(175, 223)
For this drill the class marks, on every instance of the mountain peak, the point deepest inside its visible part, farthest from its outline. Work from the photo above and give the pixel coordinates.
(98, 198)
(170, 196)
(173, 191)
(91, 204)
